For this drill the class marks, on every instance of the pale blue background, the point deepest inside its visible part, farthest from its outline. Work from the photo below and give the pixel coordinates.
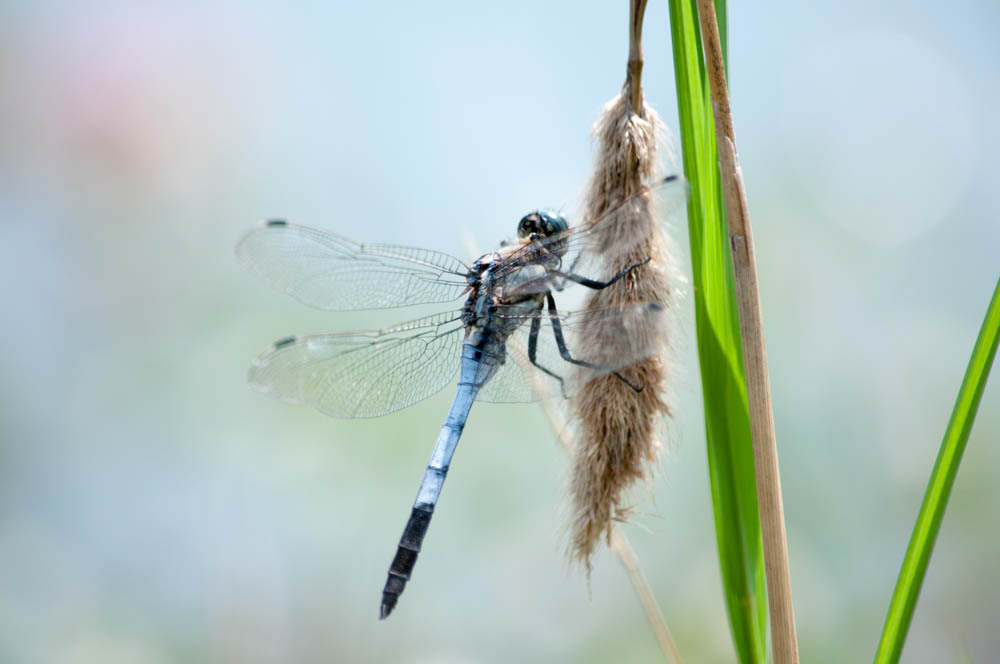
(152, 509)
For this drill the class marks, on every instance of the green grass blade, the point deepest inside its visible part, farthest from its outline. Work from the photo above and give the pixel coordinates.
(727, 419)
(918, 553)
(722, 16)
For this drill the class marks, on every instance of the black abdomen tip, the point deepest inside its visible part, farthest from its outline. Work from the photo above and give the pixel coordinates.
(402, 563)
(390, 595)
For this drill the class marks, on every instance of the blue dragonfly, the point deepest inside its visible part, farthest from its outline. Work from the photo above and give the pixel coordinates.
(508, 341)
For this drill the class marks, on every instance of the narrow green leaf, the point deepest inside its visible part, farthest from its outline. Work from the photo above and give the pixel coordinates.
(727, 419)
(918, 553)
(722, 16)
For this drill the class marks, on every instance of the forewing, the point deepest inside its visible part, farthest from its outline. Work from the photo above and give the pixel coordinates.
(362, 374)
(607, 339)
(327, 271)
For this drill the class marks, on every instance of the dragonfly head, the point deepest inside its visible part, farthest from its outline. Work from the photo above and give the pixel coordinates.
(541, 223)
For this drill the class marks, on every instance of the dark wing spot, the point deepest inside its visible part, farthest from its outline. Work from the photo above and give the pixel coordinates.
(277, 222)
(669, 178)
(281, 343)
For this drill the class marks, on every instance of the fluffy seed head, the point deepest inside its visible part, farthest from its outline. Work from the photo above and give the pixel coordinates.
(617, 433)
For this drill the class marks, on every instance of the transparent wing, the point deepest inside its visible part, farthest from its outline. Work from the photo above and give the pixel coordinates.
(327, 271)
(362, 374)
(585, 247)
(607, 339)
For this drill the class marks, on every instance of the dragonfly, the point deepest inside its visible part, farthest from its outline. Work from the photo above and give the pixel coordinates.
(508, 341)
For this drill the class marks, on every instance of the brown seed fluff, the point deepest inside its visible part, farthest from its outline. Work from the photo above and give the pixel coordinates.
(616, 438)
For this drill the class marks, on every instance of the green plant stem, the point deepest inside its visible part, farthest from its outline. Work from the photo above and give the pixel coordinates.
(720, 355)
(765, 450)
(925, 531)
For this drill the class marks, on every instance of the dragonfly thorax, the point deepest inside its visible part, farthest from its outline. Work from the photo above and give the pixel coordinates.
(495, 282)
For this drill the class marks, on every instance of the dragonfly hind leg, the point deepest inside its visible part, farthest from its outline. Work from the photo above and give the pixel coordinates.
(564, 351)
(536, 324)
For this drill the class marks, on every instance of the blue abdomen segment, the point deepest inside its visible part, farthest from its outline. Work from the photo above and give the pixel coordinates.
(473, 373)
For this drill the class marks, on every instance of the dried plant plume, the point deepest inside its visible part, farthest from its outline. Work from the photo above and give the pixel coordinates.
(617, 433)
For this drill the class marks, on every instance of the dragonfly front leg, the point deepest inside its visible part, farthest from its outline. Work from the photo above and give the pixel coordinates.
(564, 351)
(560, 285)
(594, 284)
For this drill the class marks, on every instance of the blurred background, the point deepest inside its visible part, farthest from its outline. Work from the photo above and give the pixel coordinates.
(153, 509)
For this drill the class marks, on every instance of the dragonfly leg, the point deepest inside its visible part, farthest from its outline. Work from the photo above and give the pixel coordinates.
(536, 324)
(560, 285)
(564, 351)
(592, 283)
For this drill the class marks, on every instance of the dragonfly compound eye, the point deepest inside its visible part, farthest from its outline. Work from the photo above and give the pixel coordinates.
(541, 222)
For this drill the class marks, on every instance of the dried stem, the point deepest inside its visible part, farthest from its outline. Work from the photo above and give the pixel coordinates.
(623, 549)
(765, 454)
(638, 10)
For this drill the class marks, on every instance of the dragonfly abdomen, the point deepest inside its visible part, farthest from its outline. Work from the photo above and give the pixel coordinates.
(470, 380)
